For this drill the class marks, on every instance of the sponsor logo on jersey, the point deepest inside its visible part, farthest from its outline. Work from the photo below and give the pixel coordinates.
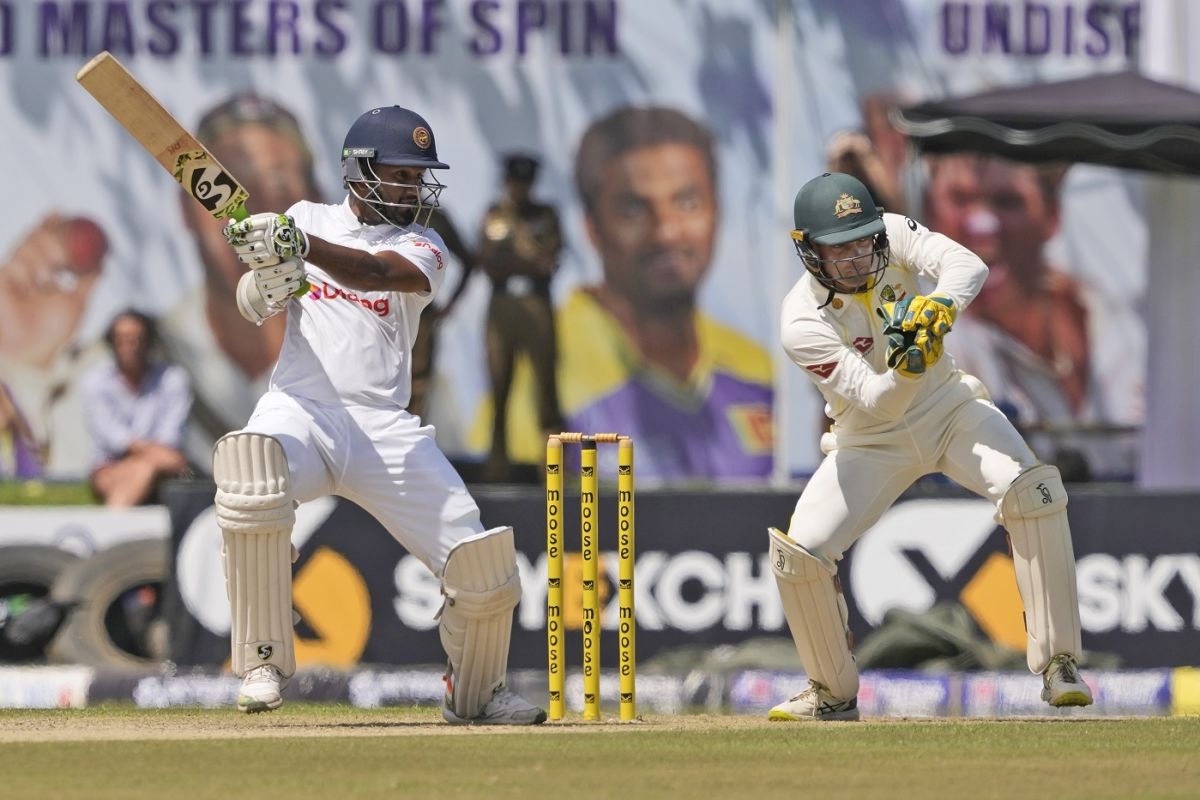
(846, 205)
(823, 370)
(437, 254)
(327, 291)
(863, 344)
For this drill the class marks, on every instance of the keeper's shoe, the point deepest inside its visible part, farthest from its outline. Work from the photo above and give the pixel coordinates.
(815, 704)
(262, 690)
(505, 708)
(1062, 684)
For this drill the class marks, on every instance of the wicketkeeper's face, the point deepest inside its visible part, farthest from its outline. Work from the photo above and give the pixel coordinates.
(849, 265)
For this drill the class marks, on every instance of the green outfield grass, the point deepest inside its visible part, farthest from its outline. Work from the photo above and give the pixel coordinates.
(39, 493)
(308, 751)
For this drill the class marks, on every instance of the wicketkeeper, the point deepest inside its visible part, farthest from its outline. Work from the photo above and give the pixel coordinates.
(860, 327)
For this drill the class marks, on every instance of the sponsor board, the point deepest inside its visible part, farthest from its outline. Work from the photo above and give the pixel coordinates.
(899, 693)
(702, 578)
(44, 687)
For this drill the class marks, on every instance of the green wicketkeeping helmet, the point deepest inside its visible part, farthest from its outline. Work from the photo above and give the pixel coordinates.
(836, 208)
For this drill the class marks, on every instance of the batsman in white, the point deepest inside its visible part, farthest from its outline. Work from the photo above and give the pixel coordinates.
(858, 325)
(334, 422)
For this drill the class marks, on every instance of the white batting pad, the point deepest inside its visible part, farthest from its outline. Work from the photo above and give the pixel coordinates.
(817, 616)
(481, 587)
(256, 514)
(1034, 510)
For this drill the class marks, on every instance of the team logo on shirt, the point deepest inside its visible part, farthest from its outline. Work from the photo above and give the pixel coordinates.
(822, 370)
(846, 205)
(863, 344)
(891, 293)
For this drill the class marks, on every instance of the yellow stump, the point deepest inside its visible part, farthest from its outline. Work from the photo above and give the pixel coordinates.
(588, 523)
(554, 574)
(627, 628)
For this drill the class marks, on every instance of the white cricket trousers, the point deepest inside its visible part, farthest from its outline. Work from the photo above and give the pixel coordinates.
(962, 435)
(384, 460)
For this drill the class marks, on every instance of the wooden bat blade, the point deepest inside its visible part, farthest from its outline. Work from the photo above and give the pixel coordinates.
(179, 153)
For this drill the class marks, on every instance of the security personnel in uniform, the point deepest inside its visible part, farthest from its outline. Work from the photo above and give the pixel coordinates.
(519, 247)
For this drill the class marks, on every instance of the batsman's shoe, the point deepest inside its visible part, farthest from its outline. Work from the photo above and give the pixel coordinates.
(505, 708)
(262, 689)
(1062, 684)
(815, 703)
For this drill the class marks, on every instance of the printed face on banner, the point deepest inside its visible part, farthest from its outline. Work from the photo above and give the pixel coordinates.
(654, 224)
(663, 233)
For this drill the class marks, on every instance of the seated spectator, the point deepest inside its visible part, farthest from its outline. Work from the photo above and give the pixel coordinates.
(136, 409)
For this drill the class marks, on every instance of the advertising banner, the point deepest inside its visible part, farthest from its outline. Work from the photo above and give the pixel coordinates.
(702, 578)
(685, 239)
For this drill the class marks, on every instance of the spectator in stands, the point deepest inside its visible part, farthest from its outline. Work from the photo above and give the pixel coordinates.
(136, 409)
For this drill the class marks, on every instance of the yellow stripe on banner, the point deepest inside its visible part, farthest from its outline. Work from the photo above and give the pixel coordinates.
(1185, 692)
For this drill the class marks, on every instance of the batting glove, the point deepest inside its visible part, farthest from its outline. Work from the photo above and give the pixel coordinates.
(277, 283)
(266, 239)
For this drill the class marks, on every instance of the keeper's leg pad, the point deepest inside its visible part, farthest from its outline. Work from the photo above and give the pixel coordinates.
(1034, 510)
(481, 586)
(255, 511)
(817, 616)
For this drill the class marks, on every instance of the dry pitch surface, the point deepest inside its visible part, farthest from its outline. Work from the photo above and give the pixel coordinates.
(308, 751)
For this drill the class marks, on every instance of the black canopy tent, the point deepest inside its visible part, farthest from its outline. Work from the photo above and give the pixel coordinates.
(1119, 119)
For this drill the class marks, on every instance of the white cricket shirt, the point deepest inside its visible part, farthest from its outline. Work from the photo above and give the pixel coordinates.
(841, 346)
(349, 347)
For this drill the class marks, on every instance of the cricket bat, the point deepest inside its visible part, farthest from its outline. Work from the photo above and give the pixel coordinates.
(188, 161)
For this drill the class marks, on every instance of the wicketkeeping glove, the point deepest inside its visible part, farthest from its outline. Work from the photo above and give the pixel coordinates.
(909, 352)
(936, 312)
(266, 239)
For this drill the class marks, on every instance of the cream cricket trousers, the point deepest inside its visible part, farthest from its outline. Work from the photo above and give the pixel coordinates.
(963, 435)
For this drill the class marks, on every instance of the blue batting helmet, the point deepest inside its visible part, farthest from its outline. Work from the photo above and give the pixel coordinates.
(395, 137)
